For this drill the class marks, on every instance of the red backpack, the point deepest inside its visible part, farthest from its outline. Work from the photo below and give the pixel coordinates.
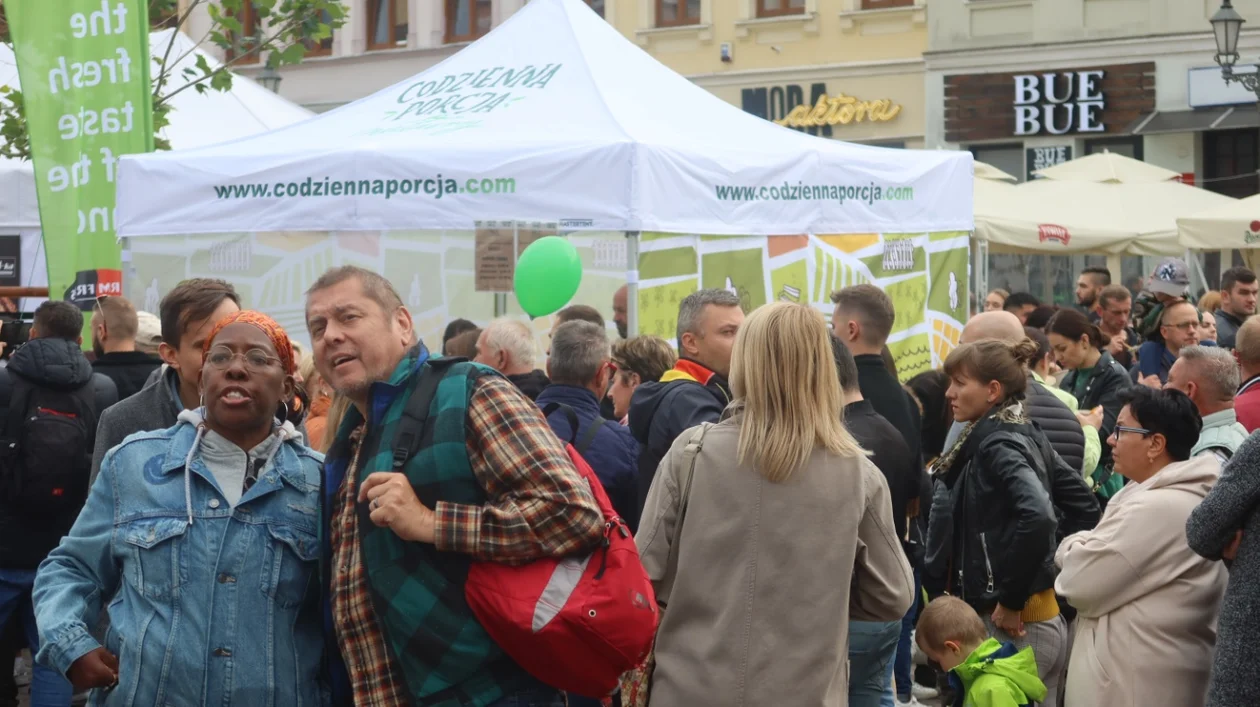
(576, 623)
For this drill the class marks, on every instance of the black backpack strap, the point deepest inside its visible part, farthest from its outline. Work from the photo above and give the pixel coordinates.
(551, 408)
(416, 414)
(589, 437)
(19, 398)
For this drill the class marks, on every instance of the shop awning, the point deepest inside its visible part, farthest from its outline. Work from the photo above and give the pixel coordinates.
(1193, 121)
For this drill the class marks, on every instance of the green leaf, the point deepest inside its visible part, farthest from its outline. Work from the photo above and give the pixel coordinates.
(231, 24)
(221, 81)
(293, 54)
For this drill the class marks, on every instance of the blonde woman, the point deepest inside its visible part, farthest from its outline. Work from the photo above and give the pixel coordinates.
(786, 533)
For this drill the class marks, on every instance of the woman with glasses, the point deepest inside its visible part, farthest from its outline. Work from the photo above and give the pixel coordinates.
(1001, 497)
(203, 540)
(1095, 380)
(1147, 603)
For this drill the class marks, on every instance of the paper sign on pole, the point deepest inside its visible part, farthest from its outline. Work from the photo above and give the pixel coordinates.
(84, 66)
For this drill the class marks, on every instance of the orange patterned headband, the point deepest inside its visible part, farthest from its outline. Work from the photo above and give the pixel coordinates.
(274, 331)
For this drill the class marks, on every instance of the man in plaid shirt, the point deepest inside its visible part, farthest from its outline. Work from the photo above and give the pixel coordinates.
(491, 482)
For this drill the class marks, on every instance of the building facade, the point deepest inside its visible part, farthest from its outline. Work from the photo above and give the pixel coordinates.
(845, 69)
(1026, 84)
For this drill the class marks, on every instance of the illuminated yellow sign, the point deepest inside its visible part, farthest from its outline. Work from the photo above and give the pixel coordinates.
(840, 110)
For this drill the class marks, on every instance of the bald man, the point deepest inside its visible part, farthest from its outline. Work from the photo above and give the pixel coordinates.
(1059, 423)
(1247, 351)
(998, 326)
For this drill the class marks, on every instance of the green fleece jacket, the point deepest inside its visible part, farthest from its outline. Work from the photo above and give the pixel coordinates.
(996, 675)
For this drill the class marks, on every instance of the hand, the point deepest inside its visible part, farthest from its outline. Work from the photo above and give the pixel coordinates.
(393, 504)
(1119, 344)
(1231, 550)
(1092, 418)
(1151, 381)
(96, 669)
(1008, 621)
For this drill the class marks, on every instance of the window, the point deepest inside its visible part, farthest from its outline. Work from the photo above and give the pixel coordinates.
(597, 6)
(885, 4)
(245, 46)
(466, 20)
(1127, 146)
(778, 8)
(163, 14)
(677, 13)
(324, 46)
(387, 24)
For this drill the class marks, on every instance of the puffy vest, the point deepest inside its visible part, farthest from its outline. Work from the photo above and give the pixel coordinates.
(1221, 430)
(1057, 422)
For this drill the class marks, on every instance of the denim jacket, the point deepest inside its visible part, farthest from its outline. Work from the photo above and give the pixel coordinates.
(210, 604)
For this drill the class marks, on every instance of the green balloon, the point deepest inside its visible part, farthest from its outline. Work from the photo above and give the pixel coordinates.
(547, 276)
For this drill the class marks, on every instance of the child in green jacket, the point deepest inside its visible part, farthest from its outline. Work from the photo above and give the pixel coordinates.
(983, 672)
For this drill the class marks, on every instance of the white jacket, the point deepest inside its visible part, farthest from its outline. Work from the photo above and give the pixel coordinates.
(1148, 604)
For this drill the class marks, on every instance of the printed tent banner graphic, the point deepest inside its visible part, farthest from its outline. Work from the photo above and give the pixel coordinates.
(553, 116)
(925, 274)
(85, 71)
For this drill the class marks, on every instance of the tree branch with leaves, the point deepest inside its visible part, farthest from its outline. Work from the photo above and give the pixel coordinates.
(282, 32)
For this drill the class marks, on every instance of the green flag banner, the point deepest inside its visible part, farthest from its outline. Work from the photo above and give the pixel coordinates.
(84, 66)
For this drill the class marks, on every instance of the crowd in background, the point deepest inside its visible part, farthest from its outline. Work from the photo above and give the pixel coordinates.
(1072, 490)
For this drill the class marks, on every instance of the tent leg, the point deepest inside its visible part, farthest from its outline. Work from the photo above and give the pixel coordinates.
(632, 283)
(980, 272)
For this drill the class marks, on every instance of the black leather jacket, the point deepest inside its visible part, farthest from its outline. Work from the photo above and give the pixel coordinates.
(995, 523)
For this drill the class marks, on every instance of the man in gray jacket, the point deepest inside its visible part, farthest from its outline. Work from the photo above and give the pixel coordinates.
(188, 313)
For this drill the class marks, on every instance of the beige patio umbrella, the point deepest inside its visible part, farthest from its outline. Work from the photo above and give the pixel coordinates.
(1225, 227)
(1065, 217)
(987, 172)
(1107, 167)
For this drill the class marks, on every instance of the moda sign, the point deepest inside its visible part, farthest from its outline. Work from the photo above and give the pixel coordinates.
(1059, 103)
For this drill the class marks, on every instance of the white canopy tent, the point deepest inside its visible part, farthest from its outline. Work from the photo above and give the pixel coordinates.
(196, 120)
(553, 116)
(1231, 226)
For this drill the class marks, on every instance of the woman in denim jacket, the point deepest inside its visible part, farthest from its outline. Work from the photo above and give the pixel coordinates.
(203, 541)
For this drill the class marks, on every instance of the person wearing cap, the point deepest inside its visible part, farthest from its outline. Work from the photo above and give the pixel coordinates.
(205, 536)
(1167, 286)
(148, 333)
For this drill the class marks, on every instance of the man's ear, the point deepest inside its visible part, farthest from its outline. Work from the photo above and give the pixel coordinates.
(402, 320)
(79, 340)
(688, 342)
(853, 330)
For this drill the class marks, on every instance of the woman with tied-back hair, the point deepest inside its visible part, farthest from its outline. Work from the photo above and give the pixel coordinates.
(786, 532)
(1001, 496)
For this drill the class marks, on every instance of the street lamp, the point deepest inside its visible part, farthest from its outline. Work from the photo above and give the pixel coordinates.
(1226, 25)
(270, 78)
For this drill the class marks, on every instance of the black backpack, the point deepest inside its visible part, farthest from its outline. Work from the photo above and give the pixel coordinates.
(46, 446)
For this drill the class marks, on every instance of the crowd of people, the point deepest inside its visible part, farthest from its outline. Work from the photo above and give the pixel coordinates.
(202, 512)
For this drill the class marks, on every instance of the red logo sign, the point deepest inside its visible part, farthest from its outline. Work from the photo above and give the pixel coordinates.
(1050, 232)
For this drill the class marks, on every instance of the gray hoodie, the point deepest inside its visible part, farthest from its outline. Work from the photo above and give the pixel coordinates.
(155, 407)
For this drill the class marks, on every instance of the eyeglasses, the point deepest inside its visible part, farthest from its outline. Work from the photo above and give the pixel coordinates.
(256, 360)
(1184, 326)
(1131, 430)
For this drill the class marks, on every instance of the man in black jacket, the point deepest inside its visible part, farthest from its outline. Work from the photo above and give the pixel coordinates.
(873, 644)
(695, 389)
(46, 472)
(114, 325)
(862, 320)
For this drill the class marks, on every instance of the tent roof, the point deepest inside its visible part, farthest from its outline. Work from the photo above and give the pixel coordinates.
(564, 119)
(1058, 216)
(197, 120)
(1107, 167)
(1235, 224)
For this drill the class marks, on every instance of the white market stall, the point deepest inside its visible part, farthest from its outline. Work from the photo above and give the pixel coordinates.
(196, 120)
(554, 117)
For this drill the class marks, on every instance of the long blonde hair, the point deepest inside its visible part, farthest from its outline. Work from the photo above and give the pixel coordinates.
(332, 422)
(784, 379)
